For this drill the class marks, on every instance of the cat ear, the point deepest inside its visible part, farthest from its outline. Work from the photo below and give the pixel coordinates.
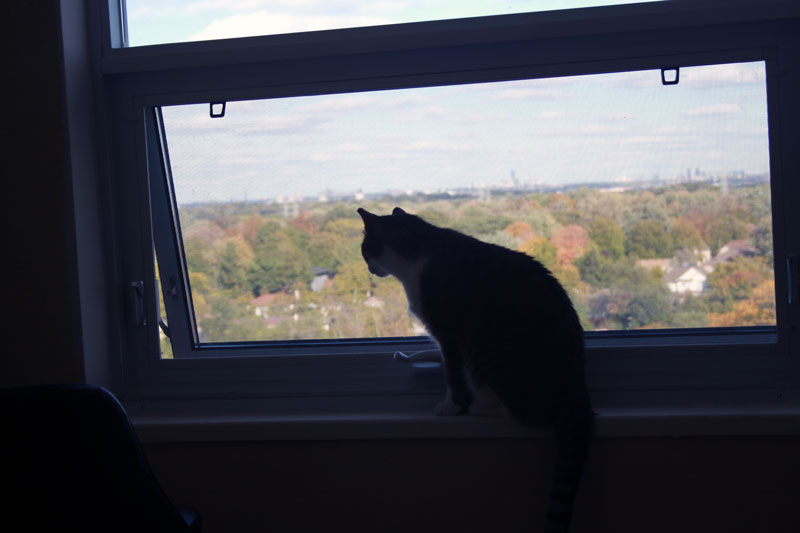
(366, 216)
(398, 211)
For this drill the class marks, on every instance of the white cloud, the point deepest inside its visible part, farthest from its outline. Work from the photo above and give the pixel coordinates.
(729, 74)
(338, 103)
(714, 110)
(551, 114)
(273, 23)
(532, 93)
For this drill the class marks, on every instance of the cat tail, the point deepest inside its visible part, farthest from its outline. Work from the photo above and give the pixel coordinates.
(573, 431)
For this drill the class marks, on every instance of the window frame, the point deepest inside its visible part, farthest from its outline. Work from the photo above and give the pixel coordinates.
(720, 368)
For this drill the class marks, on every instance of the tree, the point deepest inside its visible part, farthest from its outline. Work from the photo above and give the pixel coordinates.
(758, 310)
(278, 263)
(475, 220)
(541, 222)
(685, 235)
(734, 281)
(608, 236)
(649, 239)
(571, 241)
(542, 250)
(634, 297)
(595, 268)
(520, 231)
(328, 250)
(762, 239)
(235, 260)
(353, 281)
(562, 208)
(250, 228)
(723, 229)
(199, 255)
(642, 207)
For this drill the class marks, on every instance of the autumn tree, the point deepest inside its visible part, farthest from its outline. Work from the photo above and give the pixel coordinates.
(278, 263)
(631, 297)
(757, 310)
(608, 236)
(734, 281)
(762, 239)
(562, 207)
(235, 260)
(542, 250)
(723, 229)
(570, 241)
(521, 231)
(595, 267)
(685, 235)
(649, 239)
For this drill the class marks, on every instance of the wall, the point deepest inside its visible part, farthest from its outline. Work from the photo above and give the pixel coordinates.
(636, 485)
(41, 304)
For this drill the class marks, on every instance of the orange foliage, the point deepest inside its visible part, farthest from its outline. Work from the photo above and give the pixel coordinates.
(521, 231)
(756, 311)
(571, 242)
(251, 226)
(304, 222)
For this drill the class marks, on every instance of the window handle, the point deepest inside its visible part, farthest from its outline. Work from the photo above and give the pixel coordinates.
(426, 360)
(792, 279)
(137, 288)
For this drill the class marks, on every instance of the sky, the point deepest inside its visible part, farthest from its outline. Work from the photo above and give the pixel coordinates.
(617, 128)
(168, 21)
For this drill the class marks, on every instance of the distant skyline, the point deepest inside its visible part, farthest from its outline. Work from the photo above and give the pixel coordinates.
(602, 128)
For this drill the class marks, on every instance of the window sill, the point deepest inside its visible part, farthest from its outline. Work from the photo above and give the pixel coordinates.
(413, 425)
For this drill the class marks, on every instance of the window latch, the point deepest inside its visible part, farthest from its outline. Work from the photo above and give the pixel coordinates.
(216, 109)
(670, 76)
(137, 288)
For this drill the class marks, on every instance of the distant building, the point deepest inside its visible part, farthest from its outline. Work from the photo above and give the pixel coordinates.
(374, 302)
(321, 277)
(650, 264)
(738, 248)
(691, 279)
(262, 304)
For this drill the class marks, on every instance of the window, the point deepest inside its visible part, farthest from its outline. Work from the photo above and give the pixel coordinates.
(563, 169)
(671, 232)
(152, 22)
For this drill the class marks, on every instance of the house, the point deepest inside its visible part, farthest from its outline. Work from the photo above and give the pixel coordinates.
(262, 303)
(733, 249)
(322, 276)
(691, 279)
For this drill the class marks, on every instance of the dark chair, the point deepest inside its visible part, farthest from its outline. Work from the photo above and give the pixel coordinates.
(73, 462)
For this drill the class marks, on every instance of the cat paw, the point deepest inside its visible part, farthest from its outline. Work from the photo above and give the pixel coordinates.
(448, 408)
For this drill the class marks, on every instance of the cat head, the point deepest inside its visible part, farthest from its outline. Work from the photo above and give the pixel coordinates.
(392, 242)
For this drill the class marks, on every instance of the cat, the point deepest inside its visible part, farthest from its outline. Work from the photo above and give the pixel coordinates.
(507, 331)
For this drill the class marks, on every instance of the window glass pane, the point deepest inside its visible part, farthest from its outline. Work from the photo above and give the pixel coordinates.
(650, 202)
(158, 22)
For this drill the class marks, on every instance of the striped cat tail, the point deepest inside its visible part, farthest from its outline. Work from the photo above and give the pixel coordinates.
(573, 432)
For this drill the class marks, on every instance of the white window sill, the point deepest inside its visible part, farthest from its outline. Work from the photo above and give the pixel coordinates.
(610, 423)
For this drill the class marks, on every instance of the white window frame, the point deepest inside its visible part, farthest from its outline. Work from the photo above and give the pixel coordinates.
(710, 368)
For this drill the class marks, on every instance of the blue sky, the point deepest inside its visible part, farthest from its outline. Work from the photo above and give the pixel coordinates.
(166, 21)
(614, 127)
